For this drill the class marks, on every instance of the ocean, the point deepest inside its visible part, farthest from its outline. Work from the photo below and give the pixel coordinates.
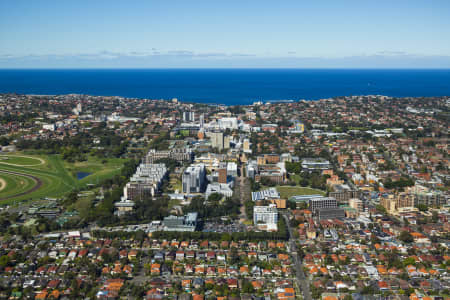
(228, 86)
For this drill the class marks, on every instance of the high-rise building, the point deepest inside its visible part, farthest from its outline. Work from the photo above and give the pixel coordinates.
(226, 142)
(389, 203)
(356, 204)
(246, 146)
(219, 140)
(202, 121)
(189, 116)
(142, 185)
(222, 175)
(194, 179)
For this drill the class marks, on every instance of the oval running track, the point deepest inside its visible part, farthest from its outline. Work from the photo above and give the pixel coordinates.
(34, 188)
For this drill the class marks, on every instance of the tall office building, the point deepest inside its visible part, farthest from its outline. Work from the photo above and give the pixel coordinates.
(202, 120)
(219, 141)
(189, 116)
(222, 175)
(194, 179)
(246, 145)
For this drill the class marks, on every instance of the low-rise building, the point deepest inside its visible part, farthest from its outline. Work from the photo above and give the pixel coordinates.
(181, 223)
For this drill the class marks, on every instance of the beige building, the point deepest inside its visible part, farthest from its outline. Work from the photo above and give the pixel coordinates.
(389, 203)
(399, 203)
(356, 204)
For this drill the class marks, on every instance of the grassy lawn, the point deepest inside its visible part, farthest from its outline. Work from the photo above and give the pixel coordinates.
(58, 177)
(173, 202)
(288, 191)
(174, 183)
(83, 206)
(99, 170)
(20, 160)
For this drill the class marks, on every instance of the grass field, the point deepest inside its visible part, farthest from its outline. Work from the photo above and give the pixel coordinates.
(14, 184)
(99, 171)
(20, 160)
(56, 177)
(288, 191)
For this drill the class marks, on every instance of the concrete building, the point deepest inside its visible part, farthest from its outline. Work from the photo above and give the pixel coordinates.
(428, 197)
(298, 199)
(246, 146)
(228, 123)
(266, 215)
(312, 164)
(286, 157)
(143, 185)
(356, 204)
(389, 204)
(189, 116)
(219, 140)
(202, 121)
(222, 178)
(232, 169)
(267, 194)
(325, 202)
(343, 193)
(178, 154)
(194, 179)
(330, 213)
(182, 223)
(220, 188)
(393, 204)
(212, 161)
(252, 169)
(274, 172)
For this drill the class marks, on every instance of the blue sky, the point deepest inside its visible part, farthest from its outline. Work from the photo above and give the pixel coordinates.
(245, 33)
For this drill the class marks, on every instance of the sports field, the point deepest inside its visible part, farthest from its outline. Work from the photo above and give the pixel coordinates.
(288, 191)
(26, 177)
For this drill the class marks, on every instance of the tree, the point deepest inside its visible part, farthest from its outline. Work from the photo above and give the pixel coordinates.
(435, 217)
(247, 287)
(4, 261)
(422, 207)
(406, 237)
(214, 198)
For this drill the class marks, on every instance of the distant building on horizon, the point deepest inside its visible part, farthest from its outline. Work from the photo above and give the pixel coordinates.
(189, 116)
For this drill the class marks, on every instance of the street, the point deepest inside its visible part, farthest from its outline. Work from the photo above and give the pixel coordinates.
(302, 282)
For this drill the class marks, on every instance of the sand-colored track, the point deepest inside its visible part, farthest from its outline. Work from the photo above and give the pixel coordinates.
(41, 161)
(2, 184)
(34, 188)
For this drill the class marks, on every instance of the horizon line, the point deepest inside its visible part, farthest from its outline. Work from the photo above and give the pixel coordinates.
(227, 68)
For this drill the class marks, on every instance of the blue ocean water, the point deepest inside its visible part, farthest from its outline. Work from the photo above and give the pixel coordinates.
(228, 86)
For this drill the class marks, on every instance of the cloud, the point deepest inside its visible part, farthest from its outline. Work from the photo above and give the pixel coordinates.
(116, 55)
(155, 58)
(392, 53)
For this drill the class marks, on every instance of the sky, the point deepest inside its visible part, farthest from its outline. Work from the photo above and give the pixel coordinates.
(216, 34)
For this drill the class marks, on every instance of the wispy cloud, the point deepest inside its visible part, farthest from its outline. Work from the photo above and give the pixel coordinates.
(116, 55)
(186, 58)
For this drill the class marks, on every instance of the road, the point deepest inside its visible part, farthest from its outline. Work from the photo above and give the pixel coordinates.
(302, 282)
(242, 191)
